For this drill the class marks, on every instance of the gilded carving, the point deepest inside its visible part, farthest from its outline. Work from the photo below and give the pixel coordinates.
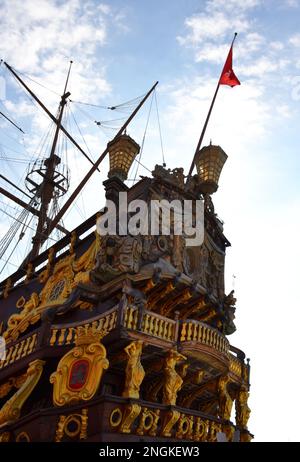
(11, 410)
(117, 255)
(23, 437)
(225, 400)
(242, 409)
(183, 426)
(13, 382)
(201, 429)
(115, 417)
(169, 421)
(148, 422)
(79, 371)
(172, 380)
(18, 323)
(67, 274)
(44, 275)
(131, 412)
(72, 426)
(4, 437)
(134, 370)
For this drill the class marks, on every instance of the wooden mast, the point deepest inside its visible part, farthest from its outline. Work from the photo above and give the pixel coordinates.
(47, 187)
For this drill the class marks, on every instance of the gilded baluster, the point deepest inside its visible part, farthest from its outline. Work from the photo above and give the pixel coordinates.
(189, 331)
(156, 327)
(20, 349)
(101, 323)
(195, 331)
(26, 346)
(32, 344)
(14, 352)
(95, 325)
(146, 323)
(69, 337)
(53, 337)
(135, 318)
(183, 332)
(150, 324)
(111, 321)
(61, 338)
(8, 356)
(200, 333)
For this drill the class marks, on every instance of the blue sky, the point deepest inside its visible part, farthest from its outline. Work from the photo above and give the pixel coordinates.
(120, 48)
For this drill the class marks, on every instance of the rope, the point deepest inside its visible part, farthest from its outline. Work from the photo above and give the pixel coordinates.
(112, 108)
(144, 137)
(159, 128)
(35, 81)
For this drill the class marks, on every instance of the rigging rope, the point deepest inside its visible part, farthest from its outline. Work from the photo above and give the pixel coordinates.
(144, 137)
(159, 128)
(112, 108)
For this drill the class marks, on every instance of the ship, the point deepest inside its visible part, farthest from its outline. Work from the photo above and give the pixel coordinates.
(122, 337)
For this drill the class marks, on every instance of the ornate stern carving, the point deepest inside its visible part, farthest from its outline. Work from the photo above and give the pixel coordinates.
(135, 372)
(225, 400)
(59, 284)
(242, 409)
(73, 425)
(79, 372)
(11, 410)
(172, 380)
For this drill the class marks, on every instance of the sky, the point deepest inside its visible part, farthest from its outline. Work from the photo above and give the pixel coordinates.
(119, 49)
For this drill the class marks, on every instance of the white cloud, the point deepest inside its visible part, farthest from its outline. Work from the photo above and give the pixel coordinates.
(292, 3)
(295, 40)
(232, 5)
(277, 46)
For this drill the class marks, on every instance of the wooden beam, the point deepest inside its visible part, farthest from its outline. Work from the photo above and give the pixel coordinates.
(29, 208)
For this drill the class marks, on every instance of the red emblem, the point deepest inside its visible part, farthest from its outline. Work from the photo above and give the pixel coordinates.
(78, 375)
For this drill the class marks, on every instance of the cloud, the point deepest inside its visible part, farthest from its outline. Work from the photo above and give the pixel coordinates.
(295, 40)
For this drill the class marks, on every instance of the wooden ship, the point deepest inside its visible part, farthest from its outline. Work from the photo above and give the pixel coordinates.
(122, 338)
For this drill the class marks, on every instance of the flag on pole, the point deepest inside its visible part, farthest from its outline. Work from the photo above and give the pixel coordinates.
(228, 77)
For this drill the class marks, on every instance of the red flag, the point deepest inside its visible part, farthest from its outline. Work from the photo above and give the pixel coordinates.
(228, 77)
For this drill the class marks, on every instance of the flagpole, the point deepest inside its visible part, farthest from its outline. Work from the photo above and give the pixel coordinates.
(207, 118)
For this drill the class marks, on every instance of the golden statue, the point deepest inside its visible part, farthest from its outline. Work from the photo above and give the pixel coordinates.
(135, 372)
(225, 400)
(242, 409)
(172, 380)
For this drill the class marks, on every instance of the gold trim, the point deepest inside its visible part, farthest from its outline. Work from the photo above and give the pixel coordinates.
(11, 410)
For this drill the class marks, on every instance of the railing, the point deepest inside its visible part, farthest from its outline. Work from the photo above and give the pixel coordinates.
(202, 333)
(19, 350)
(150, 323)
(67, 335)
(235, 366)
(159, 326)
(135, 319)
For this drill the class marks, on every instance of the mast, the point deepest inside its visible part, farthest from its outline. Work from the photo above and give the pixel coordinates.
(47, 187)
